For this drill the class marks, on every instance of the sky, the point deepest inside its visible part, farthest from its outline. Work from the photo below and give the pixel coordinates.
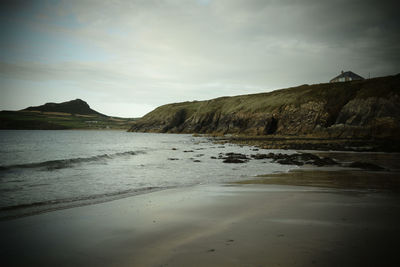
(125, 58)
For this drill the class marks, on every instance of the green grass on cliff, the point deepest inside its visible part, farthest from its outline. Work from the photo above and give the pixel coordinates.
(335, 95)
(74, 114)
(54, 121)
(166, 111)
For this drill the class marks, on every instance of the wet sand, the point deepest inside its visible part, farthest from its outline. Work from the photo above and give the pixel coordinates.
(214, 225)
(333, 178)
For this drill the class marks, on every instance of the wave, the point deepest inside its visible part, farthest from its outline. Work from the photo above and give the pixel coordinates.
(67, 163)
(82, 198)
(21, 210)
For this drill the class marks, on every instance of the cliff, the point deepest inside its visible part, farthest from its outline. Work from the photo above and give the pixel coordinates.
(357, 109)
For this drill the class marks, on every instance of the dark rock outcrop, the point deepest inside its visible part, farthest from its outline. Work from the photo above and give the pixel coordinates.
(298, 159)
(234, 158)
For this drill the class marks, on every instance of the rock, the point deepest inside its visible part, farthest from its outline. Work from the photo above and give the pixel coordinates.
(309, 157)
(237, 155)
(261, 156)
(325, 162)
(366, 166)
(234, 158)
(289, 161)
(173, 159)
(298, 159)
(187, 151)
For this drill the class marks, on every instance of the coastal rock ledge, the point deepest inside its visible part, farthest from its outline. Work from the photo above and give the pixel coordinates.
(368, 109)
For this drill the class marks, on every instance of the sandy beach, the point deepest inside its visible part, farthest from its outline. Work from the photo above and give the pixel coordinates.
(214, 225)
(229, 133)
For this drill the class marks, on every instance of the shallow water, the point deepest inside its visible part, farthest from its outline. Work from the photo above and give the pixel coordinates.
(44, 170)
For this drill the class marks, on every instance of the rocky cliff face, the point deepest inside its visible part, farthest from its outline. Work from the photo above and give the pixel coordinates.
(358, 109)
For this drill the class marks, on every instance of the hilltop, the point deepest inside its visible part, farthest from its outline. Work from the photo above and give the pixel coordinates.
(368, 109)
(74, 114)
(76, 106)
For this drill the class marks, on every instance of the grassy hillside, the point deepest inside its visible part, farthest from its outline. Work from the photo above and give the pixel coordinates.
(334, 94)
(347, 109)
(76, 106)
(74, 114)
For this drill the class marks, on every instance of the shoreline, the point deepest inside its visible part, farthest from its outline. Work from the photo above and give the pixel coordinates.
(214, 225)
(334, 179)
(337, 176)
(14, 212)
(322, 216)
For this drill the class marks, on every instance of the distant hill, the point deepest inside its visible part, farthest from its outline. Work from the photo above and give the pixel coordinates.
(76, 106)
(74, 114)
(368, 109)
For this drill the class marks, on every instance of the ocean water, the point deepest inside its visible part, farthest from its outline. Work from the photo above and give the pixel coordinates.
(47, 170)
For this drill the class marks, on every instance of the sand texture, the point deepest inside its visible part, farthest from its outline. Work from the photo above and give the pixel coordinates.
(214, 225)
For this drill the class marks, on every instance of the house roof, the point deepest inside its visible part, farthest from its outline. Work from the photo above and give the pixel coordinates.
(350, 74)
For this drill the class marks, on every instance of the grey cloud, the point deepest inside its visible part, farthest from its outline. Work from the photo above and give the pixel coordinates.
(246, 32)
(168, 51)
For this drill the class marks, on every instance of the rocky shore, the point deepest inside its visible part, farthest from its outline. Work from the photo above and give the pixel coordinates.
(298, 159)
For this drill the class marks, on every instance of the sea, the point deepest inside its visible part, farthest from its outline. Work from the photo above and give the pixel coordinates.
(42, 171)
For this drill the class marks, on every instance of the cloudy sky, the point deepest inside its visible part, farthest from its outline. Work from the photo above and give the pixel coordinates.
(127, 57)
